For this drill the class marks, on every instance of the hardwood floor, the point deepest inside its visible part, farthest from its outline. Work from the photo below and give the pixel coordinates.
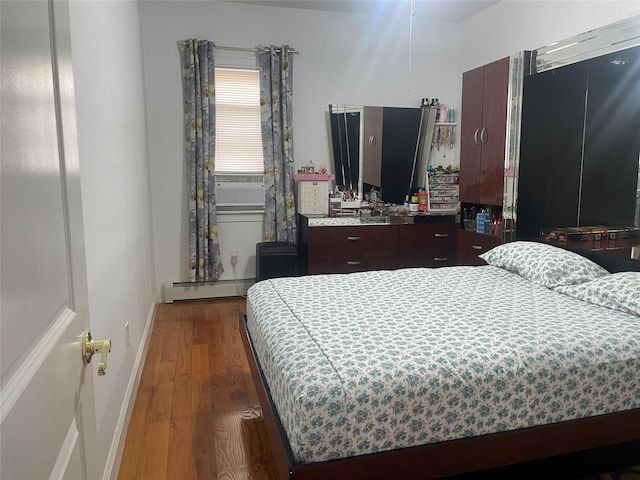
(196, 414)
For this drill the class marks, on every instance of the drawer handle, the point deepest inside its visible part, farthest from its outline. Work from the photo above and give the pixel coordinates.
(440, 259)
(476, 247)
(353, 238)
(353, 264)
(441, 235)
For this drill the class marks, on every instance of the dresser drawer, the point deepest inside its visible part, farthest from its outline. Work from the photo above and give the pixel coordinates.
(472, 244)
(366, 238)
(315, 197)
(442, 256)
(314, 188)
(430, 235)
(314, 209)
(355, 261)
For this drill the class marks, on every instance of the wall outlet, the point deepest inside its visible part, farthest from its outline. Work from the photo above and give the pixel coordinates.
(127, 337)
(233, 255)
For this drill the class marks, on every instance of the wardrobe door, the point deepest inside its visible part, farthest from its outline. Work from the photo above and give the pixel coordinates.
(612, 140)
(470, 126)
(550, 150)
(372, 147)
(494, 131)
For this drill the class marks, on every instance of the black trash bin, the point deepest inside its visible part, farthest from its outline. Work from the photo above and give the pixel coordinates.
(276, 259)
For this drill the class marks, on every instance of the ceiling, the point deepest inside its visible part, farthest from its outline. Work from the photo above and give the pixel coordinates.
(440, 10)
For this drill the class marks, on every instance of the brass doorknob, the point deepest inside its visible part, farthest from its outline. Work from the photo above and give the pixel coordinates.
(91, 346)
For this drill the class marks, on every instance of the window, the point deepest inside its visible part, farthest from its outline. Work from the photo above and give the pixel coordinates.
(238, 135)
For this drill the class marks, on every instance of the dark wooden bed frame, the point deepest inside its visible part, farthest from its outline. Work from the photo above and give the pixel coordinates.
(452, 457)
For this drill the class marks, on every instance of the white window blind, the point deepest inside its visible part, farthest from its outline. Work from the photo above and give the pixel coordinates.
(238, 135)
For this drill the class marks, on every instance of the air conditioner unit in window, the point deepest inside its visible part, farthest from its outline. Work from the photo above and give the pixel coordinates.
(239, 191)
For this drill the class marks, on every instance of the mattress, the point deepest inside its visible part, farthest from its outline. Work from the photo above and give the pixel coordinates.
(366, 362)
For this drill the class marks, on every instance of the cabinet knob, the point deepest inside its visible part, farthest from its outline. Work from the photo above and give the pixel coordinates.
(352, 263)
(353, 239)
(476, 247)
(482, 132)
(475, 136)
(441, 235)
(440, 259)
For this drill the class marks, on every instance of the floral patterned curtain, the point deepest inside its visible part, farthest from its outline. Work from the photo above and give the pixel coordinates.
(276, 90)
(198, 87)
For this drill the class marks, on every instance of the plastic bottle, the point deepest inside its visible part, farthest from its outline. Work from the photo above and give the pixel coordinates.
(423, 200)
(480, 221)
(452, 116)
(374, 195)
(488, 222)
(415, 203)
(443, 113)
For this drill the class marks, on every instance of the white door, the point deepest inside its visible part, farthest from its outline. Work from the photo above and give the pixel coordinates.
(47, 410)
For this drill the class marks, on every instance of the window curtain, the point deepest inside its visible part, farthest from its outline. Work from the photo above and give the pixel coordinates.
(276, 90)
(198, 88)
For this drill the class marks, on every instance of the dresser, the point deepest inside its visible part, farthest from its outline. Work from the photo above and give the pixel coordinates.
(427, 245)
(471, 244)
(344, 245)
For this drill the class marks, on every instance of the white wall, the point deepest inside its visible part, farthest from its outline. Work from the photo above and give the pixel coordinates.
(511, 26)
(349, 59)
(110, 103)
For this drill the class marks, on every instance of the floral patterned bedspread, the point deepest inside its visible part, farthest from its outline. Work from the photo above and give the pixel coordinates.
(380, 360)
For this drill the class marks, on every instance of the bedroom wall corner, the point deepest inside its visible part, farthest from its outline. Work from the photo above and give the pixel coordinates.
(114, 170)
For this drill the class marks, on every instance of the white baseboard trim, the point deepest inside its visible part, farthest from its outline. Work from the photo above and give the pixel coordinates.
(173, 291)
(117, 445)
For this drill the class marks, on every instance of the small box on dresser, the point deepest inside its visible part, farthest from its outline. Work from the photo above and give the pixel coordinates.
(313, 193)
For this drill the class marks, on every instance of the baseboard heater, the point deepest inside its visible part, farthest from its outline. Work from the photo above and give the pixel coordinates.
(173, 291)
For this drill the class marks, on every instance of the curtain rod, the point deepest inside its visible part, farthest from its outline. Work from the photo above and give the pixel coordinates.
(244, 49)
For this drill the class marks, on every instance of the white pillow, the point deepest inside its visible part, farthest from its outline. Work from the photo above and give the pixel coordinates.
(544, 264)
(620, 291)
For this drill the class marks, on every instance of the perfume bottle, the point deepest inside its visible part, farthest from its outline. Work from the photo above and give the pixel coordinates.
(443, 113)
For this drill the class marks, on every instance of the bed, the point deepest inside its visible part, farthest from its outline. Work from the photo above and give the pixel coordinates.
(421, 373)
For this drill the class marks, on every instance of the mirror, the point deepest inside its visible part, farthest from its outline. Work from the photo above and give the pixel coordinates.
(346, 135)
(575, 142)
(385, 149)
